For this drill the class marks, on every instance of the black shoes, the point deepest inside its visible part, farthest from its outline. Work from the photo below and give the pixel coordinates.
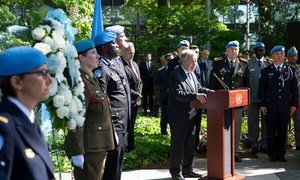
(177, 176)
(192, 174)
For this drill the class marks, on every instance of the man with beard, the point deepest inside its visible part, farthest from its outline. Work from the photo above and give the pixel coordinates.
(253, 73)
(107, 75)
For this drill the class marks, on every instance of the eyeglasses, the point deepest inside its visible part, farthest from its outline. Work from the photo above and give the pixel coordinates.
(44, 73)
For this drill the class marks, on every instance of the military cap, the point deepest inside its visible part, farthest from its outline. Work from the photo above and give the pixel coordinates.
(232, 43)
(104, 37)
(293, 51)
(117, 29)
(259, 45)
(84, 45)
(20, 59)
(183, 43)
(277, 48)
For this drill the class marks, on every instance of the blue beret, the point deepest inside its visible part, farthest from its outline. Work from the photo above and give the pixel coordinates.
(84, 45)
(117, 29)
(21, 59)
(259, 45)
(232, 43)
(104, 37)
(292, 52)
(183, 43)
(277, 48)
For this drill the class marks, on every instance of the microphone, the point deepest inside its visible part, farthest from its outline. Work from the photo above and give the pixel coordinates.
(221, 82)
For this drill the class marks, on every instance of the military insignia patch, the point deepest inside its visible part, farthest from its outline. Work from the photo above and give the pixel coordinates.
(29, 153)
(3, 119)
(1, 142)
(98, 73)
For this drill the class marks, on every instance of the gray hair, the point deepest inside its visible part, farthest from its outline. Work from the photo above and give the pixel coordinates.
(186, 53)
(130, 45)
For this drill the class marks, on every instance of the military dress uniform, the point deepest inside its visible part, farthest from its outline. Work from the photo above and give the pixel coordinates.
(96, 136)
(23, 150)
(278, 91)
(234, 77)
(296, 115)
(253, 73)
(114, 86)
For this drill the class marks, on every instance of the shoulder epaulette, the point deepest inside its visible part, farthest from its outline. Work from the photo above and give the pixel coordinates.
(218, 58)
(269, 59)
(243, 59)
(3, 119)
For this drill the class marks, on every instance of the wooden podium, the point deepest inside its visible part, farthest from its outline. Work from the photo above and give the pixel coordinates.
(220, 129)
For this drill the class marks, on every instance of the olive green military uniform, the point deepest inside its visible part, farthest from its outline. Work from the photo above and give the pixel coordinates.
(96, 136)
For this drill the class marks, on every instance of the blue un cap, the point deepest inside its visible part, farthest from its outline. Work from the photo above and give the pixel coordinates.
(183, 43)
(232, 43)
(259, 45)
(21, 59)
(292, 52)
(117, 29)
(277, 48)
(84, 45)
(104, 37)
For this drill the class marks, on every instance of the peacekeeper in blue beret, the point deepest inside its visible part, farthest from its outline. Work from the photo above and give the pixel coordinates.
(230, 70)
(121, 37)
(278, 99)
(292, 57)
(109, 77)
(24, 81)
(87, 146)
(175, 62)
(253, 73)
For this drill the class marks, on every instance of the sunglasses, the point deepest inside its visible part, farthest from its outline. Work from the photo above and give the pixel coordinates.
(44, 73)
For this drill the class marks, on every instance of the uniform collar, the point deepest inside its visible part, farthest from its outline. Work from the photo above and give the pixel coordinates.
(29, 114)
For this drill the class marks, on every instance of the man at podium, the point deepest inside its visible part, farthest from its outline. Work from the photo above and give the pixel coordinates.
(229, 73)
(183, 88)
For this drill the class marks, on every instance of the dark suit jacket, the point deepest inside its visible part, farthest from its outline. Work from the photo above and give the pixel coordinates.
(135, 83)
(161, 80)
(181, 94)
(96, 135)
(147, 75)
(275, 95)
(233, 78)
(114, 87)
(25, 152)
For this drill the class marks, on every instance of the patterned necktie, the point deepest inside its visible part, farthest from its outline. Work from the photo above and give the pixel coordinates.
(191, 81)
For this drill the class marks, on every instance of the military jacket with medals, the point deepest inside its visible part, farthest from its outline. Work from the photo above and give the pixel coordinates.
(253, 73)
(233, 77)
(278, 91)
(114, 86)
(97, 133)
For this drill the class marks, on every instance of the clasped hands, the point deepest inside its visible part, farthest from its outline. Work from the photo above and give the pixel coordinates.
(201, 97)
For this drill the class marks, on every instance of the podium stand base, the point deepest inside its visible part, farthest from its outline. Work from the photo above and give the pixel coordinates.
(235, 177)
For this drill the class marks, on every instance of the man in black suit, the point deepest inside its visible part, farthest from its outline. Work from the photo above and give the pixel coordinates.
(135, 84)
(231, 70)
(183, 88)
(148, 71)
(278, 98)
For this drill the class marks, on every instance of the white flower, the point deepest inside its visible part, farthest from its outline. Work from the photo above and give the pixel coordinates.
(68, 97)
(63, 63)
(72, 107)
(53, 87)
(74, 51)
(71, 124)
(58, 39)
(79, 88)
(58, 100)
(47, 28)
(48, 40)
(62, 112)
(45, 48)
(78, 103)
(38, 33)
(79, 120)
(63, 88)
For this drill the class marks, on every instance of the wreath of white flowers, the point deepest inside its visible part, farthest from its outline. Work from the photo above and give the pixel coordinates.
(55, 39)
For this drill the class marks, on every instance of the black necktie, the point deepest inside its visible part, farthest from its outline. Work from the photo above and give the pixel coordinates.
(278, 69)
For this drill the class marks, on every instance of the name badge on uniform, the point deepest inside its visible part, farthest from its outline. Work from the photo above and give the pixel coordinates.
(271, 74)
(29, 153)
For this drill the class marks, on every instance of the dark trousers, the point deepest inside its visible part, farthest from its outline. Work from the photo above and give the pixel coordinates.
(277, 124)
(164, 117)
(93, 167)
(114, 160)
(147, 93)
(182, 148)
(198, 127)
(130, 130)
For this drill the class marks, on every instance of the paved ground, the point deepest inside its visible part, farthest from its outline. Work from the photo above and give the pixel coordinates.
(252, 169)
